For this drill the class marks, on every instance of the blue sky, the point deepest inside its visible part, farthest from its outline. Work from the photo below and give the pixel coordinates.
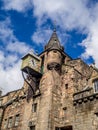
(28, 24)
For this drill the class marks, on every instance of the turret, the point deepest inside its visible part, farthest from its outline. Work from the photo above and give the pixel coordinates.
(54, 53)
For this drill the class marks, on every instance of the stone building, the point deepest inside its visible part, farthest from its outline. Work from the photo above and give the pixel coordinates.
(59, 93)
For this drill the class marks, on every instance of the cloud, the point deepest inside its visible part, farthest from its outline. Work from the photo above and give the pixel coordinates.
(91, 43)
(73, 15)
(8, 38)
(18, 5)
(41, 36)
(10, 78)
(80, 15)
(1, 56)
(18, 47)
(11, 49)
(68, 14)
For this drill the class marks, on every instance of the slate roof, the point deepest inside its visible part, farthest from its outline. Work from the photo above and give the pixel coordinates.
(54, 43)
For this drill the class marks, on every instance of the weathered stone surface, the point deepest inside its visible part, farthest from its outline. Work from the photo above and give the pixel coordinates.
(68, 100)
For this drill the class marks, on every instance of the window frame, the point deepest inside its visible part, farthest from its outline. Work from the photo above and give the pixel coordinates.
(10, 122)
(95, 85)
(34, 107)
(5, 123)
(17, 119)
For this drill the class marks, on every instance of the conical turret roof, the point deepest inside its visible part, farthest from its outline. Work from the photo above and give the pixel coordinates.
(54, 43)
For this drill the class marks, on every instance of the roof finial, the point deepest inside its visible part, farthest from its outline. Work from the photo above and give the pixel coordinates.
(54, 24)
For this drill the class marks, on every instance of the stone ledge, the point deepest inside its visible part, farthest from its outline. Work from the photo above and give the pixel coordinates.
(85, 99)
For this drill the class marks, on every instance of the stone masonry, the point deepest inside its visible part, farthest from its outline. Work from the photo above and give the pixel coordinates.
(61, 95)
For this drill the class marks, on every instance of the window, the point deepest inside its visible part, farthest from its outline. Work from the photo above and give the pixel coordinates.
(55, 51)
(96, 85)
(10, 122)
(66, 86)
(34, 107)
(5, 123)
(32, 127)
(64, 110)
(17, 118)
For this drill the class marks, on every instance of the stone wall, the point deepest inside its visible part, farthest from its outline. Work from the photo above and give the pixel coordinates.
(57, 106)
(85, 116)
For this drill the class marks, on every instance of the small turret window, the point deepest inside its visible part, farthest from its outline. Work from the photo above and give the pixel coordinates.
(55, 41)
(55, 51)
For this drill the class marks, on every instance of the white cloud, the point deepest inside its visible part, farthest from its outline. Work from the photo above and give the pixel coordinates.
(18, 5)
(10, 78)
(11, 50)
(91, 42)
(6, 34)
(69, 15)
(18, 47)
(41, 36)
(1, 56)
(9, 39)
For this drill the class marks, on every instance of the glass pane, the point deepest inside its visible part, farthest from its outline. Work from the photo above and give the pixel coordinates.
(96, 85)
(34, 107)
(5, 123)
(17, 120)
(10, 122)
